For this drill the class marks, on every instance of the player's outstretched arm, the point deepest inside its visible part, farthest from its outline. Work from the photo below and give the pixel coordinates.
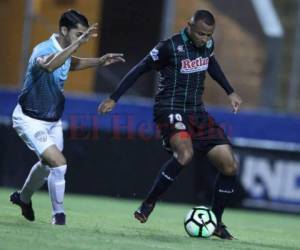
(129, 79)
(53, 61)
(78, 63)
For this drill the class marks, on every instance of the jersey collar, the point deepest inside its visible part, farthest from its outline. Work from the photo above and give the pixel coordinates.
(55, 42)
(185, 36)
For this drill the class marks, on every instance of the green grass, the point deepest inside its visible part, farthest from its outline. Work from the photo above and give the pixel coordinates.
(105, 223)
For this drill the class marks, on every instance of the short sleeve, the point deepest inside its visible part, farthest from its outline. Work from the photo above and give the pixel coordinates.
(39, 51)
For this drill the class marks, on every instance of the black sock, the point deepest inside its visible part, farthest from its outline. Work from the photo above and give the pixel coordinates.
(224, 190)
(165, 178)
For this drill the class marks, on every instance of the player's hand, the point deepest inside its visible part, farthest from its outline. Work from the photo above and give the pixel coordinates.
(106, 106)
(111, 58)
(235, 101)
(91, 32)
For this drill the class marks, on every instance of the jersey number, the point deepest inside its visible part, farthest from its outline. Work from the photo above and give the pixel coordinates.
(175, 118)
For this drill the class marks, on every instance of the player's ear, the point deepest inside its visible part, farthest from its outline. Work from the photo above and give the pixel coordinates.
(64, 30)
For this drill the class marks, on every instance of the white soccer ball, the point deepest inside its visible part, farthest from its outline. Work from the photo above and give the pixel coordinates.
(200, 222)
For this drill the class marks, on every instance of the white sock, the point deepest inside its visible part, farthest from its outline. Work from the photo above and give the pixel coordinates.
(56, 186)
(34, 181)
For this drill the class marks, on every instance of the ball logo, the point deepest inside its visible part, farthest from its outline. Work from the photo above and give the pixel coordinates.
(41, 136)
(200, 215)
(192, 66)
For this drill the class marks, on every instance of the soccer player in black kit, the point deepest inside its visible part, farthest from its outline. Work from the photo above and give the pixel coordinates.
(186, 128)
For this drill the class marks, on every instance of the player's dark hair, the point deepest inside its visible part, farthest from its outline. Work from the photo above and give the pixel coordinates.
(71, 18)
(204, 15)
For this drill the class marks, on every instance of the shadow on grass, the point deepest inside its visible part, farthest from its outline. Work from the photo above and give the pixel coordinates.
(159, 236)
(273, 246)
(147, 235)
(255, 245)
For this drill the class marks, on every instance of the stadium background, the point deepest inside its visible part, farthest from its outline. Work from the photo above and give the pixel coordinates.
(118, 155)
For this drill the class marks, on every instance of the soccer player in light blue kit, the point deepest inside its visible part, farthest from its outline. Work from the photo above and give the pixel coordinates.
(37, 115)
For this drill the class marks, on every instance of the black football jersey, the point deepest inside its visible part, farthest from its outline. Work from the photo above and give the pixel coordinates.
(182, 67)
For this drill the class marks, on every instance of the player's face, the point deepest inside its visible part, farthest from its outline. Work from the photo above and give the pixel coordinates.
(200, 32)
(73, 34)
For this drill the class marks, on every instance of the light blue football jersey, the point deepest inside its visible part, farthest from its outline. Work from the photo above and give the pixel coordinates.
(42, 93)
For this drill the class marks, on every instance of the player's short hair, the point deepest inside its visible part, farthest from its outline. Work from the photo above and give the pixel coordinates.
(71, 18)
(203, 15)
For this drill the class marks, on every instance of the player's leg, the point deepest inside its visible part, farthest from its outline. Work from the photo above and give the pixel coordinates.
(56, 180)
(34, 134)
(35, 180)
(222, 157)
(181, 145)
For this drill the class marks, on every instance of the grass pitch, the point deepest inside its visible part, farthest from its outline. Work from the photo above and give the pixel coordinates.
(106, 223)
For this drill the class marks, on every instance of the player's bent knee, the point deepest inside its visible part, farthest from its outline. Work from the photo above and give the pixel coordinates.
(185, 156)
(53, 157)
(61, 161)
(231, 169)
(56, 161)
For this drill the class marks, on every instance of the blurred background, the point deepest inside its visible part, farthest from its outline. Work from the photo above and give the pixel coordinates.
(258, 47)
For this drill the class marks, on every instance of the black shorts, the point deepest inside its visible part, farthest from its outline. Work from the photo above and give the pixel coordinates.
(201, 127)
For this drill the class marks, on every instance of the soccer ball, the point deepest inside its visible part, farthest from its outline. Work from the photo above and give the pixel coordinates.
(200, 222)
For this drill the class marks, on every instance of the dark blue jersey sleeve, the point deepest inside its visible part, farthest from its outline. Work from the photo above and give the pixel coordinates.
(155, 60)
(130, 78)
(217, 74)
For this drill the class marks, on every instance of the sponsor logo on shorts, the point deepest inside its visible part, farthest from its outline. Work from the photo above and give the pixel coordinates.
(180, 126)
(41, 136)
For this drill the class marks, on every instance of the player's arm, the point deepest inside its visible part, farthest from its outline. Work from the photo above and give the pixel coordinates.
(156, 59)
(128, 80)
(78, 63)
(53, 61)
(218, 75)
